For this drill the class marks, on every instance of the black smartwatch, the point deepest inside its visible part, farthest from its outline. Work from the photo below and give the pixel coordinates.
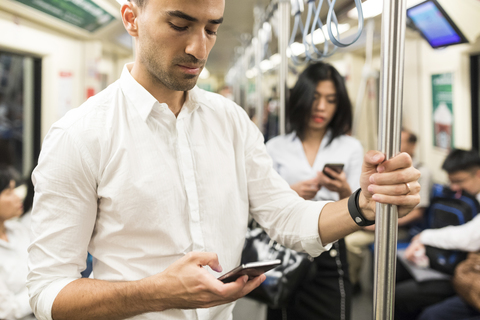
(355, 212)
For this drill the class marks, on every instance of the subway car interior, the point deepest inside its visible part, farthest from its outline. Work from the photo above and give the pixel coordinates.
(404, 66)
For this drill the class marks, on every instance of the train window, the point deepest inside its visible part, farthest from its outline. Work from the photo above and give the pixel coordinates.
(20, 111)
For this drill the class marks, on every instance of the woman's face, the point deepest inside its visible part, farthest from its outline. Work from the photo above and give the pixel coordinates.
(10, 204)
(324, 105)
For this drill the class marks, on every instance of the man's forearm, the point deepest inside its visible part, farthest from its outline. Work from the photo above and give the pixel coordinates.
(335, 222)
(98, 299)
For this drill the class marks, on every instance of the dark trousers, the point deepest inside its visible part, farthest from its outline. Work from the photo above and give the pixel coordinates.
(412, 297)
(327, 296)
(451, 308)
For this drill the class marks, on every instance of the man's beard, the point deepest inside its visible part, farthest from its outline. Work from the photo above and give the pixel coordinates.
(160, 74)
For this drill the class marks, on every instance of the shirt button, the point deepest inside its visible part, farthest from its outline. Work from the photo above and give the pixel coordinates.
(333, 253)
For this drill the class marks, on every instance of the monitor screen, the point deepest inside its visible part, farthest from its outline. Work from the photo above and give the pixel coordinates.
(435, 25)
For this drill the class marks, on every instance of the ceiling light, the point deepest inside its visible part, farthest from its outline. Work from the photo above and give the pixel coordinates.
(275, 59)
(371, 8)
(318, 37)
(251, 73)
(266, 65)
(205, 74)
(297, 48)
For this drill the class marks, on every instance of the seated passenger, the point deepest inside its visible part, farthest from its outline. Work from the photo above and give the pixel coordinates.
(463, 168)
(14, 240)
(451, 308)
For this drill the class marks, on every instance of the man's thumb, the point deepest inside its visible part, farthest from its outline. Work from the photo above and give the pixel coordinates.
(372, 159)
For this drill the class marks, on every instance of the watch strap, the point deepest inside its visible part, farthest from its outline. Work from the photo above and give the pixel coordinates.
(356, 212)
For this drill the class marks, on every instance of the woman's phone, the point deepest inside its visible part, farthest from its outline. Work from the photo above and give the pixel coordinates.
(337, 167)
(252, 270)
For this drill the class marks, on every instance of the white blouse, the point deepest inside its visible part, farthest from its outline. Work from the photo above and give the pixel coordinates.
(290, 161)
(13, 273)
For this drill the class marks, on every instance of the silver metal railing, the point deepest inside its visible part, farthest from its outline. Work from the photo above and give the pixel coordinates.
(390, 120)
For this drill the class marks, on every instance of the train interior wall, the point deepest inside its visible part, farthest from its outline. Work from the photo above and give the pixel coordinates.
(92, 65)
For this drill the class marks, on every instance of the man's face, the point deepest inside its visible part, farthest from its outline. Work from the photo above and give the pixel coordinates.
(175, 38)
(405, 145)
(467, 180)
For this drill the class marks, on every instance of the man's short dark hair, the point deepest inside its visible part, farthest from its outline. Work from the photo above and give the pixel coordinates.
(461, 160)
(412, 138)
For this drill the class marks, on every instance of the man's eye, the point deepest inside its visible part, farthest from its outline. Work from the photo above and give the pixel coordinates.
(332, 101)
(177, 28)
(212, 33)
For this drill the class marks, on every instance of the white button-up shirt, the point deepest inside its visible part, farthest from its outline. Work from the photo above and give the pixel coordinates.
(290, 161)
(465, 237)
(124, 179)
(13, 273)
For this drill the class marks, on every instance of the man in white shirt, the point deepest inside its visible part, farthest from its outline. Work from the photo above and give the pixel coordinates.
(463, 169)
(155, 178)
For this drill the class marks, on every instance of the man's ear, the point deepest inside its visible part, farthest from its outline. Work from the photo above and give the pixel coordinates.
(129, 17)
(477, 173)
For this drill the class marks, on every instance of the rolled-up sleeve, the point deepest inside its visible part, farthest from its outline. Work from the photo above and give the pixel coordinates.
(287, 218)
(63, 218)
(465, 237)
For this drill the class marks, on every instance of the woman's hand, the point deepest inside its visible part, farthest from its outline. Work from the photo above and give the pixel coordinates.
(306, 189)
(338, 184)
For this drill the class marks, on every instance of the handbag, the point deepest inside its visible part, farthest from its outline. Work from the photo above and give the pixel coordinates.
(284, 279)
(466, 280)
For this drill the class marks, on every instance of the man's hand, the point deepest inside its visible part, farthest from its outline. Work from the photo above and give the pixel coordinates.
(186, 284)
(386, 182)
(306, 189)
(338, 184)
(414, 247)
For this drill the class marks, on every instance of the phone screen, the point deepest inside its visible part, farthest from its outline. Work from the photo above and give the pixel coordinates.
(337, 167)
(253, 270)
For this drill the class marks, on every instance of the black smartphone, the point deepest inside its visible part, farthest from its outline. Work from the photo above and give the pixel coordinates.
(337, 167)
(252, 270)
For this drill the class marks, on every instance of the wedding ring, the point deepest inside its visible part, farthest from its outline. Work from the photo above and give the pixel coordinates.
(408, 187)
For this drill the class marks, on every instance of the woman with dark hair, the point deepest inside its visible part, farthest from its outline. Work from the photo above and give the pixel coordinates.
(14, 240)
(319, 118)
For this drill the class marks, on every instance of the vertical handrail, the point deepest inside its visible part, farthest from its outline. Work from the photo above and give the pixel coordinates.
(283, 37)
(390, 119)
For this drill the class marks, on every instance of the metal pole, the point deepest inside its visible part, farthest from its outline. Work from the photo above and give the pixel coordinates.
(391, 96)
(283, 35)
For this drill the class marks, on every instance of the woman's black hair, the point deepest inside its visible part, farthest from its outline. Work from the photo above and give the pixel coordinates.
(28, 201)
(6, 176)
(299, 108)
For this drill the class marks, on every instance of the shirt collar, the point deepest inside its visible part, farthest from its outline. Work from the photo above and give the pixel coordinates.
(143, 101)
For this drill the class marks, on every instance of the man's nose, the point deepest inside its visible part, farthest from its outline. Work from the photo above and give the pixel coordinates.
(455, 187)
(197, 46)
